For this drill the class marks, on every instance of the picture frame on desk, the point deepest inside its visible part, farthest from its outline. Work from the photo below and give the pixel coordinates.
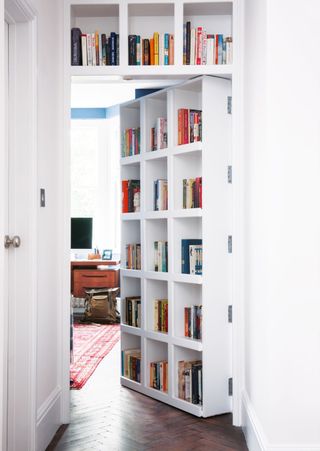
(107, 254)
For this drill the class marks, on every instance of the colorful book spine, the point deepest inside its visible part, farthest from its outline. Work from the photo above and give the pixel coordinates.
(161, 315)
(192, 193)
(193, 322)
(133, 256)
(160, 195)
(189, 126)
(185, 253)
(130, 196)
(159, 375)
(161, 256)
(190, 381)
(131, 364)
(130, 142)
(132, 311)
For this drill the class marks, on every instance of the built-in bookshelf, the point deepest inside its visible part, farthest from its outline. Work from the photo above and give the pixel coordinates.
(129, 36)
(182, 337)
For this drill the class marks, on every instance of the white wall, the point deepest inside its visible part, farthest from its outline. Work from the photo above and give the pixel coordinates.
(50, 122)
(282, 244)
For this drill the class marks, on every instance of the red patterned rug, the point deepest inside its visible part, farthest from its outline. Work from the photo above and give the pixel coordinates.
(91, 343)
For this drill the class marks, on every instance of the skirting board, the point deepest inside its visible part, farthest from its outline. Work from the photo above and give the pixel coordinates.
(48, 419)
(255, 437)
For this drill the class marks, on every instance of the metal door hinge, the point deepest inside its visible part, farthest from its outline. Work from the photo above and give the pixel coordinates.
(230, 244)
(229, 104)
(229, 313)
(229, 174)
(230, 386)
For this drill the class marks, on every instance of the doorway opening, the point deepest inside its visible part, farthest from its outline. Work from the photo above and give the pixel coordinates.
(95, 227)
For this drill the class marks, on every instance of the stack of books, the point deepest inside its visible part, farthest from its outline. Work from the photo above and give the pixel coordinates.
(130, 142)
(159, 375)
(131, 364)
(192, 193)
(190, 381)
(158, 50)
(189, 126)
(191, 256)
(133, 256)
(161, 256)
(130, 196)
(202, 48)
(160, 194)
(193, 322)
(132, 311)
(94, 49)
(159, 136)
(161, 315)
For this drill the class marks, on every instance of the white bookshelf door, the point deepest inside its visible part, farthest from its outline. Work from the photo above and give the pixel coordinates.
(216, 289)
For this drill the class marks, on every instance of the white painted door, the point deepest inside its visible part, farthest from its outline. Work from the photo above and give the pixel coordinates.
(19, 259)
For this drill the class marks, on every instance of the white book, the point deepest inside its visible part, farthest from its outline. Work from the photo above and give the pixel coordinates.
(161, 49)
(84, 50)
(89, 48)
(100, 49)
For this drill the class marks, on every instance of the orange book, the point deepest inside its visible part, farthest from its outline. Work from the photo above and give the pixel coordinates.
(152, 51)
(186, 322)
(180, 125)
(156, 48)
(171, 49)
(97, 48)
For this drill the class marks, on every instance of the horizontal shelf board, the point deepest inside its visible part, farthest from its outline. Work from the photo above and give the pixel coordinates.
(187, 406)
(158, 336)
(130, 383)
(187, 213)
(130, 329)
(188, 148)
(156, 275)
(133, 159)
(142, 71)
(187, 343)
(156, 154)
(131, 272)
(187, 278)
(130, 216)
(161, 214)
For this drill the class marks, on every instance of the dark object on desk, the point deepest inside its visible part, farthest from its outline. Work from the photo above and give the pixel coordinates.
(101, 306)
(107, 254)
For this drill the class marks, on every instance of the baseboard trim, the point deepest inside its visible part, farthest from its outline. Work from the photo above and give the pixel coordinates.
(48, 419)
(255, 436)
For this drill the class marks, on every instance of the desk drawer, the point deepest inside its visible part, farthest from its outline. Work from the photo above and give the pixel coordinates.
(94, 279)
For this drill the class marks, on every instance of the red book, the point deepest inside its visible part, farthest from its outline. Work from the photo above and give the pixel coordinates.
(180, 125)
(199, 46)
(185, 126)
(216, 49)
(152, 52)
(200, 192)
(125, 197)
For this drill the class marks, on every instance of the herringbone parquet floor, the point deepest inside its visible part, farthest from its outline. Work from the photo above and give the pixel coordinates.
(107, 417)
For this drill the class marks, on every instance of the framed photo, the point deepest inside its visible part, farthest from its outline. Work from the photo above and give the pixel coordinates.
(107, 254)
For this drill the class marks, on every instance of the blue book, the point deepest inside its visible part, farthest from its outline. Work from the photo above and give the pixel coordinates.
(166, 49)
(113, 48)
(185, 262)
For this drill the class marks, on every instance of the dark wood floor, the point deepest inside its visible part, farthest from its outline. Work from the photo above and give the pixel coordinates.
(108, 417)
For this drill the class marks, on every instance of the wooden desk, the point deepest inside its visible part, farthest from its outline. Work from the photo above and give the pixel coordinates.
(85, 274)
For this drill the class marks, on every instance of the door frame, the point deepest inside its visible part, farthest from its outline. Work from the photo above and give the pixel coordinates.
(22, 20)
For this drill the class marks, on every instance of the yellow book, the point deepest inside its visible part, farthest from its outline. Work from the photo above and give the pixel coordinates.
(156, 48)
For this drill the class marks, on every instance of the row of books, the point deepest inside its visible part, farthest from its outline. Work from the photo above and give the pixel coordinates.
(161, 256)
(160, 194)
(132, 311)
(159, 375)
(193, 322)
(130, 196)
(161, 315)
(158, 50)
(190, 381)
(189, 126)
(159, 135)
(192, 193)
(191, 256)
(130, 142)
(94, 49)
(202, 48)
(133, 256)
(131, 364)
